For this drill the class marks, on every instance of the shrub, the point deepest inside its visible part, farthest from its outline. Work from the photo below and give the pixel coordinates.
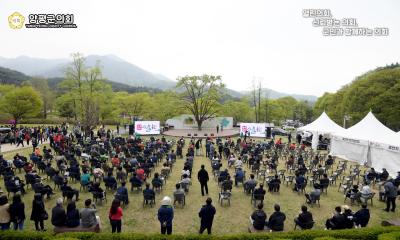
(42, 121)
(389, 236)
(376, 233)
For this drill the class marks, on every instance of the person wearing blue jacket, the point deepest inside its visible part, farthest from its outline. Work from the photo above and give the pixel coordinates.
(166, 215)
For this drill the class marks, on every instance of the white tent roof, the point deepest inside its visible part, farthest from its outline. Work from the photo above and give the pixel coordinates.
(323, 124)
(370, 129)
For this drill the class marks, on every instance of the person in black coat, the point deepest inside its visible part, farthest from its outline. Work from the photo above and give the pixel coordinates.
(277, 219)
(58, 216)
(337, 221)
(73, 216)
(206, 214)
(17, 212)
(305, 219)
(202, 176)
(68, 191)
(39, 213)
(258, 217)
(361, 217)
(348, 218)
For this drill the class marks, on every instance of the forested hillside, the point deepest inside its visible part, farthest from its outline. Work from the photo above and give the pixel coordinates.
(377, 90)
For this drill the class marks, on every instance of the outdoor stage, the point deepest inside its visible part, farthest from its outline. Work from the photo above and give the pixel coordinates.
(201, 134)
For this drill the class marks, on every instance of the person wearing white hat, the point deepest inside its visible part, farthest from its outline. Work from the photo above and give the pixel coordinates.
(166, 215)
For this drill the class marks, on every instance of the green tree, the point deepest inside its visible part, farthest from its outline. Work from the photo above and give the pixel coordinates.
(165, 105)
(21, 102)
(201, 95)
(240, 111)
(375, 90)
(87, 89)
(47, 96)
(64, 106)
(133, 105)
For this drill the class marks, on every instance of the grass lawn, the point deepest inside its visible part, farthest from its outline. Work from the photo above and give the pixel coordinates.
(229, 219)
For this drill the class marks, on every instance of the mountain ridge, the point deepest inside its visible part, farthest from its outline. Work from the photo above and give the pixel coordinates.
(273, 94)
(118, 70)
(115, 69)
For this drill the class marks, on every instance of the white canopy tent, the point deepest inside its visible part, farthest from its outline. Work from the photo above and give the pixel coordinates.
(322, 125)
(368, 142)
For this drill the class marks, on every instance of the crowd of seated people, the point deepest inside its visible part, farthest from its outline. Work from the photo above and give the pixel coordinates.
(343, 218)
(135, 160)
(72, 217)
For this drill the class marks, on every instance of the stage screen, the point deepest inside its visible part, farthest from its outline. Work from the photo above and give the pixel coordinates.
(147, 127)
(255, 129)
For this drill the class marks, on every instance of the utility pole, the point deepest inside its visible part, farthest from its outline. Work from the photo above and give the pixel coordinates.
(345, 118)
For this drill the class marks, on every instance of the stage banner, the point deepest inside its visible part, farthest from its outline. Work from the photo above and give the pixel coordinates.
(254, 129)
(147, 127)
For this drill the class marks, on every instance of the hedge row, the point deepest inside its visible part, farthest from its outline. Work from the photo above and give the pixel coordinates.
(57, 121)
(376, 233)
(389, 236)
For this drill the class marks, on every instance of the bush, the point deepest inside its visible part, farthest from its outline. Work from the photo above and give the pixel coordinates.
(109, 122)
(389, 236)
(326, 238)
(26, 235)
(42, 121)
(376, 233)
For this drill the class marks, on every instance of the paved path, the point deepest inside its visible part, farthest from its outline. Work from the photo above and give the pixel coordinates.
(11, 147)
(201, 134)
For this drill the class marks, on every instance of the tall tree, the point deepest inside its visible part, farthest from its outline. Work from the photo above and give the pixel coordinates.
(240, 111)
(165, 105)
(21, 102)
(65, 106)
(256, 97)
(201, 95)
(86, 86)
(47, 96)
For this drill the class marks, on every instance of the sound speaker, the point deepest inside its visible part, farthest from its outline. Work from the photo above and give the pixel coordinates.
(131, 129)
(269, 132)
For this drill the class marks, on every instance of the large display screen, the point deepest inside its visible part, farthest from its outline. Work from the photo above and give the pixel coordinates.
(147, 127)
(253, 129)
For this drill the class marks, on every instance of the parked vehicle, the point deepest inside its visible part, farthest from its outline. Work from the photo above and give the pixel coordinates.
(279, 132)
(4, 135)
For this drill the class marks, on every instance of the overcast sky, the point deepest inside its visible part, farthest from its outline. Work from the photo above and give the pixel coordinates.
(238, 39)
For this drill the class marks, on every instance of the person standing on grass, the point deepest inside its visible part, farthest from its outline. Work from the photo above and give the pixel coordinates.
(197, 146)
(39, 213)
(5, 217)
(206, 215)
(203, 178)
(391, 195)
(166, 215)
(20, 138)
(115, 216)
(17, 212)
